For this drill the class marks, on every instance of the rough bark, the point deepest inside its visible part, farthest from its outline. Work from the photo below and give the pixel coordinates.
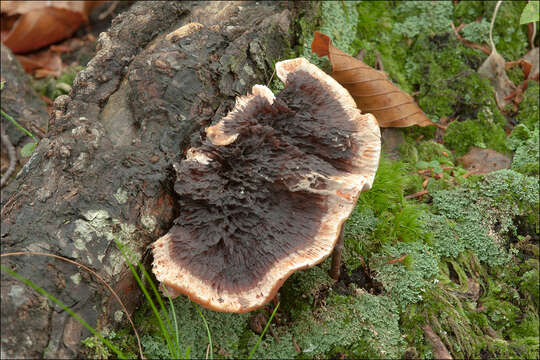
(104, 170)
(20, 101)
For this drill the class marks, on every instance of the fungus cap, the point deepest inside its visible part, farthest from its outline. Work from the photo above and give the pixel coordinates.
(268, 191)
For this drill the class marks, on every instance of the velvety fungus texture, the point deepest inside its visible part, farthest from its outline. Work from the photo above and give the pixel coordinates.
(268, 191)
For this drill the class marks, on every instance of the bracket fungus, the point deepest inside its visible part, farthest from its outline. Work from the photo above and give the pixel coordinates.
(268, 191)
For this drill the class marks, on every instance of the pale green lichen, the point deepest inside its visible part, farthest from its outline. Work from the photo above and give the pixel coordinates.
(365, 326)
(480, 216)
(98, 223)
(149, 222)
(477, 32)
(423, 17)
(76, 278)
(118, 315)
(525, 143)
(337, 20)
(121, 195)
(407, 281)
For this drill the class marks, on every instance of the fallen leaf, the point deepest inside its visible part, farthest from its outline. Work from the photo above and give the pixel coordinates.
(44, 61)
(41, 23)
(493, 68)
(483, 161)
(371, 89)
(529, 66)
(533, 57)
(23, 7)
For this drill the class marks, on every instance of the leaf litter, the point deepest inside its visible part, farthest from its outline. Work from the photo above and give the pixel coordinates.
(372, 91)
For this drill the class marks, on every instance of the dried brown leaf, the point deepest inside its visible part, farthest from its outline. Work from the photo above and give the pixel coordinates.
(46, 59)
(41, 27)
(493, 68)
(371, 89)
(41, 23)
(23, 7)
(483, 161)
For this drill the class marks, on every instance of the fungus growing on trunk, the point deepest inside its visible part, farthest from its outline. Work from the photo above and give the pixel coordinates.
(268, 191)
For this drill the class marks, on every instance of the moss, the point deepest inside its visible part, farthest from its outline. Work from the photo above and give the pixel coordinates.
(396, 219)
(375, 34)
(440, 68)
(400, 224)
(123, 339)
(510, 38)
(528, 108)
(387, 189)
(529, 285)
(484, 132)
(433, 151)
(53, 87)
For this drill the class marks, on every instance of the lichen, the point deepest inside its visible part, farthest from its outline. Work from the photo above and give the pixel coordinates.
(407, 281)
(121, 196)
(337, 20)
(363, 326)
(98, 224)
(423, 17)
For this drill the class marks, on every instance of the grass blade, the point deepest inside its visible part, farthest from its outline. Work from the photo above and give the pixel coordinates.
(264, 332)
(172, 349)
(18, 126)
(176, 332)
(207, 331)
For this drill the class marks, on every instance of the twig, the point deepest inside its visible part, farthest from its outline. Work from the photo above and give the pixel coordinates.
(399, 259)
(361, 55)
(11, 154)
(336, 257)
(439, 349)
(379, 61)
(532, 33)
(467, 42)
(296, 347)
(271, 77)
(417, 194)
(109, 10)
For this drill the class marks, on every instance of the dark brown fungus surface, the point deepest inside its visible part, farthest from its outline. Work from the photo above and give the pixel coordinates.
(268, 191)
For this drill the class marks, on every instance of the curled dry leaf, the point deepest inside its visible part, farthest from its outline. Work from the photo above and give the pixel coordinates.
(371, 89)
(41, 22)
(45, 62)
(494, 68)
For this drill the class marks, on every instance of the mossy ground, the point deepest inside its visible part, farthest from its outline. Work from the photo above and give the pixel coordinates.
(468, 250)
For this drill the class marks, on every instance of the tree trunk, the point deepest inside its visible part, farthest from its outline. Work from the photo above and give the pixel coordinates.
(104, 170)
